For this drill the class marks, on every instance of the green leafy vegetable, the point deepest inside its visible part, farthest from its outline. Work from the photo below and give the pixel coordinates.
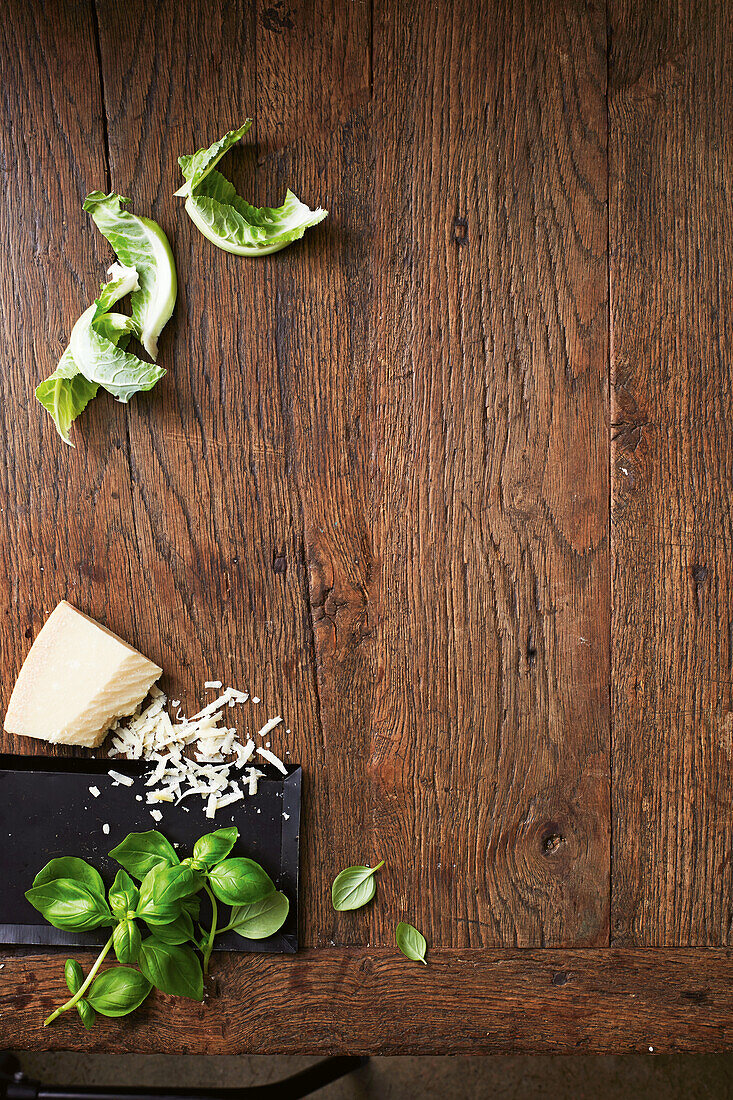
(102, 360)
(65, 394)
(172, 968)
(139, 853)
(74, 975)
(195, 167)
(354, 887)
(140, 244)
(162, 891)
(240, 882)
(226, 219)
(126, 938)
(70, 867)
(96, 355)
(118, 992)
(123, 895)
(66, 903)
(260, 919)
(411, 942)
(70, 894)
(180, 930)
(214, 847)
(87, 1014)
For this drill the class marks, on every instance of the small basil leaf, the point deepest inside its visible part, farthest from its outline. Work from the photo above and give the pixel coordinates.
(162, 891)
(139, 853)
(411, 942)
(74, 975)
(126, 939)
(179, 930)
(68, 904)
(70, 867)
(262, 918)
(172, 968)
(214, 847)
(118, 991)
(240, 882)
(86, 1013)
(123, 894)
(354, 887)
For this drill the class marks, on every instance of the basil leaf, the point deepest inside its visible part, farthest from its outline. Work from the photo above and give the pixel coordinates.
(354, 887)
(262, 918)
(172, 968)
(74, 975)
(192, 906)
(70, 905)
(118, 991)
(214, 847)
(70, 867)
(179, 930)
(162, 891)
(123, 895)
(140, 853)
(240, 881)
(126, 939)
(86, 1013)
(411, 942)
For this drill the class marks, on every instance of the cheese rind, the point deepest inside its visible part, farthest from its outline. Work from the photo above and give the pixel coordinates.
(76, 680)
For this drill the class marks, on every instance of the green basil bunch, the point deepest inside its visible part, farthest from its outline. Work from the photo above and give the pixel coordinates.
(154, 919)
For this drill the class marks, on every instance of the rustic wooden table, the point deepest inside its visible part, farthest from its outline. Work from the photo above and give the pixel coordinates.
(448, 482)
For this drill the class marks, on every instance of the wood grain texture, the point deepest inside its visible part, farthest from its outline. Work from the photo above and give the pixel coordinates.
(66, 527)
(671, 232)
(249, 470)
(352, 1000)
(491, 725)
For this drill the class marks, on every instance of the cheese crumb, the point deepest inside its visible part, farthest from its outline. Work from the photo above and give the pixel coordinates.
(125, 780)
(156, 815)
(212, 684)
(105, 829)
(94, 791)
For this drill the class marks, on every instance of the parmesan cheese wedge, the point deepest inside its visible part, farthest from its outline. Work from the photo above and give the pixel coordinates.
(76, 681)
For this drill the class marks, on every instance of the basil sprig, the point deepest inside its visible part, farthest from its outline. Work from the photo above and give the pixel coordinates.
(164, 902)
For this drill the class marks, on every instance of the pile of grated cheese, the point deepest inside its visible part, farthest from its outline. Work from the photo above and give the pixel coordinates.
(221, 771)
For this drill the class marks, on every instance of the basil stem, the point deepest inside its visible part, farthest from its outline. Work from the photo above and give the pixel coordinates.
(209, 946)
(82, 988)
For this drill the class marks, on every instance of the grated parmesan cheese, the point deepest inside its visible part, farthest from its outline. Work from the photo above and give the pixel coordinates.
(125, 780)
(94, 791)
(218, 769)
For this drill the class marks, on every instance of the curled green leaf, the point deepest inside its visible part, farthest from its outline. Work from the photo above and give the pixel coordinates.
(179, 930)
(411, 943)
(140, 244)
(354, 887)
(226, 219)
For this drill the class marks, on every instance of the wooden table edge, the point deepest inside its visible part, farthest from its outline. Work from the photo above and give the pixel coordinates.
(373, 1001)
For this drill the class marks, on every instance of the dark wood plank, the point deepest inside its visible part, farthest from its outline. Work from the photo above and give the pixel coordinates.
(249, 475)
(491, 723)
(351, 1000)
(671, 159)
(66, 524)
